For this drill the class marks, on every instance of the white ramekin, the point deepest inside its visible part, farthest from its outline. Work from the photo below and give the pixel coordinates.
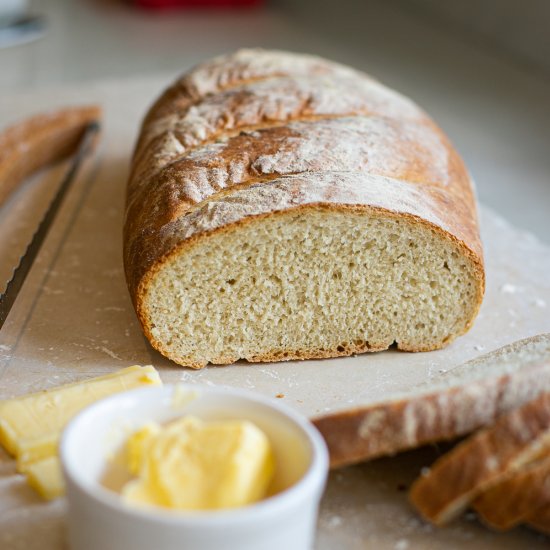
(98, 519)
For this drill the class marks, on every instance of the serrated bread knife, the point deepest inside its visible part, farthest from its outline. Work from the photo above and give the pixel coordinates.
(85, 140)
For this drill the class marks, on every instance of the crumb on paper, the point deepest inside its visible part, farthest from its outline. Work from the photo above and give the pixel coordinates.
(334, 521)
(401, 544)
(280, 395)
(508, 288)
(479, 347)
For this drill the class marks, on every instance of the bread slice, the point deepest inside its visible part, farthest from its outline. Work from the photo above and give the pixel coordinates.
(281, 206)
(455, 403)
(39, 141)
(487, 458)
(509, 503)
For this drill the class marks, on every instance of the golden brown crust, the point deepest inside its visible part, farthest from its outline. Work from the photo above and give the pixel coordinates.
(276, 98)
(39, 141)
(485, 459)
(238, 69)
(374, 145)
(260, 104)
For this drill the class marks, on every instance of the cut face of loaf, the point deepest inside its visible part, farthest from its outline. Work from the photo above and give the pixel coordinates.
(284, 207)
(311, 281)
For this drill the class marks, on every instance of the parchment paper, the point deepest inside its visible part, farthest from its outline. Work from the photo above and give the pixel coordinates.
(73, 320)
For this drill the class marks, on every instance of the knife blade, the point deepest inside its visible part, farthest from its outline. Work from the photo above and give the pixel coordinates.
(26, 261)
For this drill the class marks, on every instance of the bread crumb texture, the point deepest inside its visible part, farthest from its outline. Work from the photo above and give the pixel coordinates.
(311, 284)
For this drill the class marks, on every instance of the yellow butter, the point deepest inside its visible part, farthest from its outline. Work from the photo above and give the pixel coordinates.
(31, 425)
(136, 448)
(197, 465)
(45, 477)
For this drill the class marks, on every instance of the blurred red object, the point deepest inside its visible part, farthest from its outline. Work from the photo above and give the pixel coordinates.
(175, 4)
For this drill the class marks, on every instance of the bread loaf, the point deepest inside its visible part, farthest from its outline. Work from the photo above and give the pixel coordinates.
(281, 206)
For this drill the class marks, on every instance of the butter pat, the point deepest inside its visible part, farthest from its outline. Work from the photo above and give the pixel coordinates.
(31, 425)
(137, 445)
(45, 477)
(198, 465)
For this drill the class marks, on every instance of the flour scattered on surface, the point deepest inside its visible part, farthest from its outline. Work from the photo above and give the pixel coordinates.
(52, 291)
(271, 373)
(334, 521)
(510, 289)
(401, 544)
(539, 302)
(110, 353)
(434, 370)
(3, 347)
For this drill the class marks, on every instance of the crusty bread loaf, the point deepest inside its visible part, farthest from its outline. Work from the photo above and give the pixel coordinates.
(39, 141)
(484, 460)
(281, 206)
(511, 502)
(455, 403)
